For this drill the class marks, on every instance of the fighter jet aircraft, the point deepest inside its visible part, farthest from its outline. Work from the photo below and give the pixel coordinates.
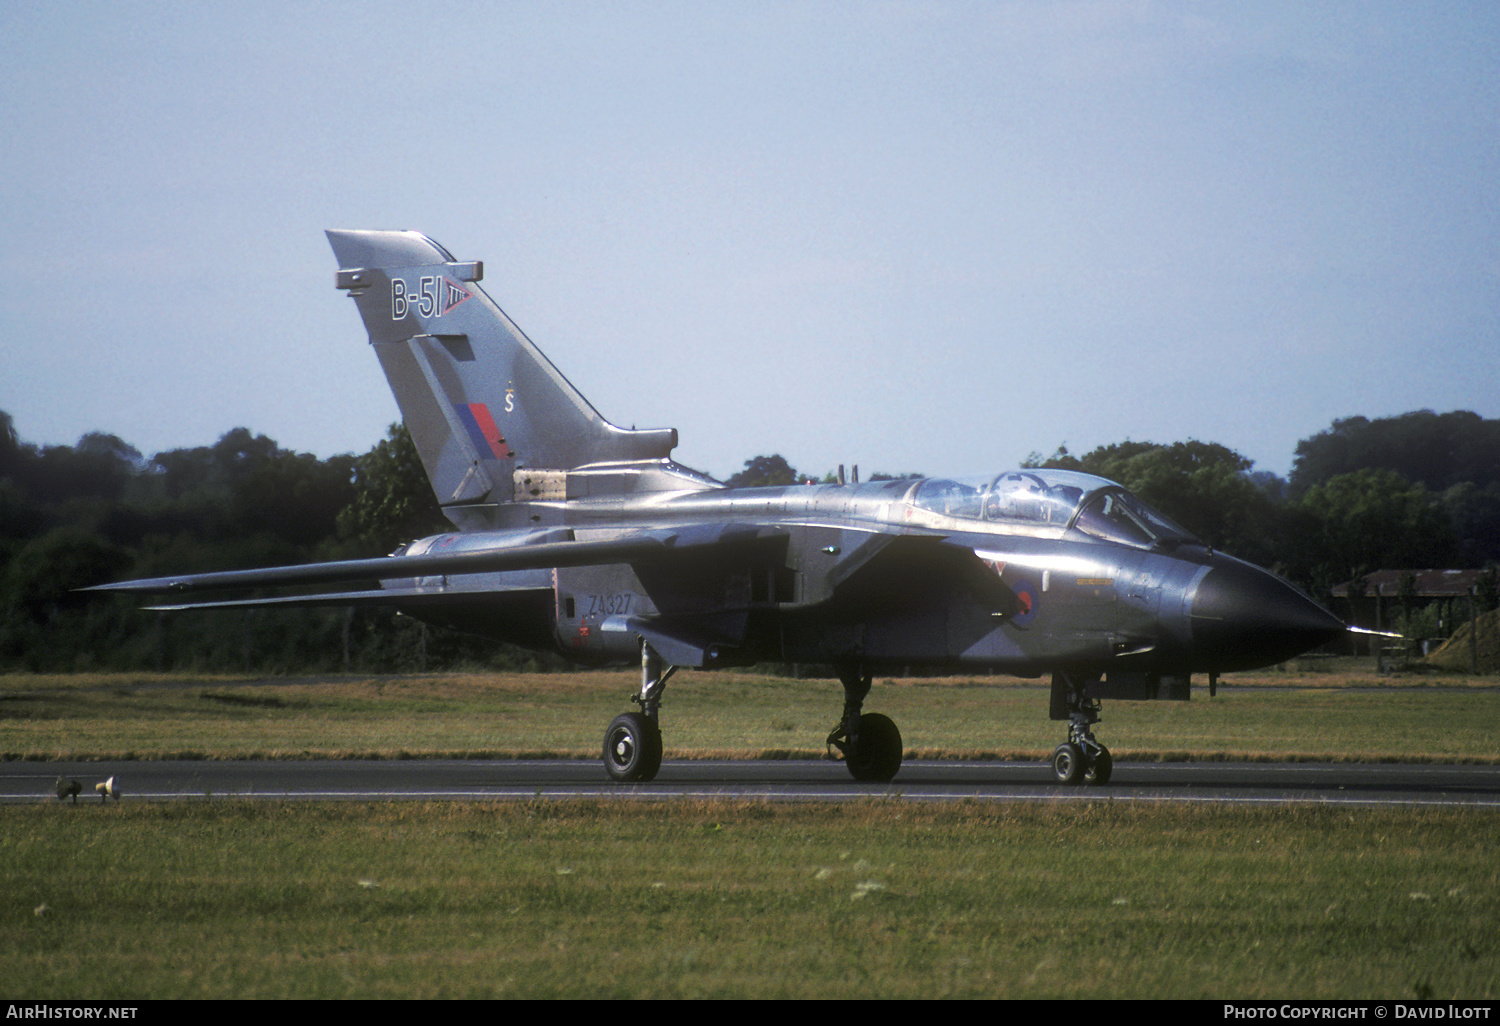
(578, 536)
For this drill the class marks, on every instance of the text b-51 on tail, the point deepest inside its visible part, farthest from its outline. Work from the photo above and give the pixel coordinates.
(581, 537)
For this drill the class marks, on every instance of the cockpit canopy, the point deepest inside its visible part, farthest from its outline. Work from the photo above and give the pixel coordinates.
(1058, 499)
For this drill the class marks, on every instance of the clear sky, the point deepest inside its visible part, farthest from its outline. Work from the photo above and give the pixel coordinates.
(927, 237)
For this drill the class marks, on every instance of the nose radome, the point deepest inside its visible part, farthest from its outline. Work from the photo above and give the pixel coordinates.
(1244, 617)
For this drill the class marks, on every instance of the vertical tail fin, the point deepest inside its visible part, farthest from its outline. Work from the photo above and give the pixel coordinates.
(493, 420)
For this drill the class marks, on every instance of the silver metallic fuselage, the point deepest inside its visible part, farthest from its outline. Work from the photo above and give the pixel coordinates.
(829, 573)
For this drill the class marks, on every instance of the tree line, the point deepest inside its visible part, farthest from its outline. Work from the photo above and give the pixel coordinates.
(1413, 491)
(98, 511)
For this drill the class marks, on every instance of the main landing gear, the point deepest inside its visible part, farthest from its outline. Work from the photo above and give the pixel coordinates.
(632, 744)
(1080, 759)
(868, 743)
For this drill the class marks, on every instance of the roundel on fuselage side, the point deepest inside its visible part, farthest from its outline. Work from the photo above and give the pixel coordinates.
(1028, 589)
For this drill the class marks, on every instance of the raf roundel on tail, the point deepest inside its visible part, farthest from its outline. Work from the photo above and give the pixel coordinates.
(575, 535)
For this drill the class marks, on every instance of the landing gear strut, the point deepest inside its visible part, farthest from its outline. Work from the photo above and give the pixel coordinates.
(632, 744)
(1080, 759)
(869, 743)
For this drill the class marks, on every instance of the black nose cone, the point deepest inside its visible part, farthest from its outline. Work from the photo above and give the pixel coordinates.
(1244, 617)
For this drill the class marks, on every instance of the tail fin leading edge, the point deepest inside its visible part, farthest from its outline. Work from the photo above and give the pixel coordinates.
(490, 415)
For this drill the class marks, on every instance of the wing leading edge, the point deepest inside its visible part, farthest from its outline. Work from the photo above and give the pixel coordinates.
(546, 550)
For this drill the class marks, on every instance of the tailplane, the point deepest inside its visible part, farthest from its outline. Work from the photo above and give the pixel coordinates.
(493, 420)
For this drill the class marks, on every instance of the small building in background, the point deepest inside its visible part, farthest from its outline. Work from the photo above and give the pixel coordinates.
(1384, 599)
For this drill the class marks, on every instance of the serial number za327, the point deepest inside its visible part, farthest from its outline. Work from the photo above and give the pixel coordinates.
(606, 605)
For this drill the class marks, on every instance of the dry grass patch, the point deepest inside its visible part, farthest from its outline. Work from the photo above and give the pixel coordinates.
(714, 714)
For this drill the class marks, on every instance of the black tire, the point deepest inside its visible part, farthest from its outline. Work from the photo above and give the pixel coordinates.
(877, 756)
(1068, 764)
(632, 748)
(1100, 769)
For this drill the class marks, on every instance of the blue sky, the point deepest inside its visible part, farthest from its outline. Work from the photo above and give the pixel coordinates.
(925, 237)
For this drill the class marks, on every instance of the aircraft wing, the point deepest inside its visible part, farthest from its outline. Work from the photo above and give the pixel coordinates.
(862, 572)
(544, 550)
(407, 596)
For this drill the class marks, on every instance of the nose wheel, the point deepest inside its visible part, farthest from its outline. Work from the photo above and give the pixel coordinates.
(1080, 759)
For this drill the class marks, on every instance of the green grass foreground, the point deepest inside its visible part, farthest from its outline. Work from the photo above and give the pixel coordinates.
(1338, 716)
(871, 899)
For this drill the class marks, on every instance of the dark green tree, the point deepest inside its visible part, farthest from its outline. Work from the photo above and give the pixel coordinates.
(295, 496)
(764, 471)
(45, 622)
(1367, 520)
(213, 469)
(1452, 455)
(393, 501)
(44, 576)
(1435, 450)
(14, 455)
(1474, 512)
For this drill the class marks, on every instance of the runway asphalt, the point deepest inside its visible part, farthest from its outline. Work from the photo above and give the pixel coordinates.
(1204, 782)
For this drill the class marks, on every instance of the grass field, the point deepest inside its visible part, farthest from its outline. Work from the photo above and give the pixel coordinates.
(1343, 715)
(738, 899)
(884, 898)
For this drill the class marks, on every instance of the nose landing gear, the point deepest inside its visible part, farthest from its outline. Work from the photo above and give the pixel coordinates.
(1081, 759)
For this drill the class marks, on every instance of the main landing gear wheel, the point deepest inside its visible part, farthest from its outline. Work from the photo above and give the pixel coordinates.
(1076, 764)
(876, 754)
(632, 744)
(870, 744)
(632, 748)
(1068, 764)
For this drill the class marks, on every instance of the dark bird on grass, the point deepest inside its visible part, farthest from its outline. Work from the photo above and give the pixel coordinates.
(107, 789)
(68, 789)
